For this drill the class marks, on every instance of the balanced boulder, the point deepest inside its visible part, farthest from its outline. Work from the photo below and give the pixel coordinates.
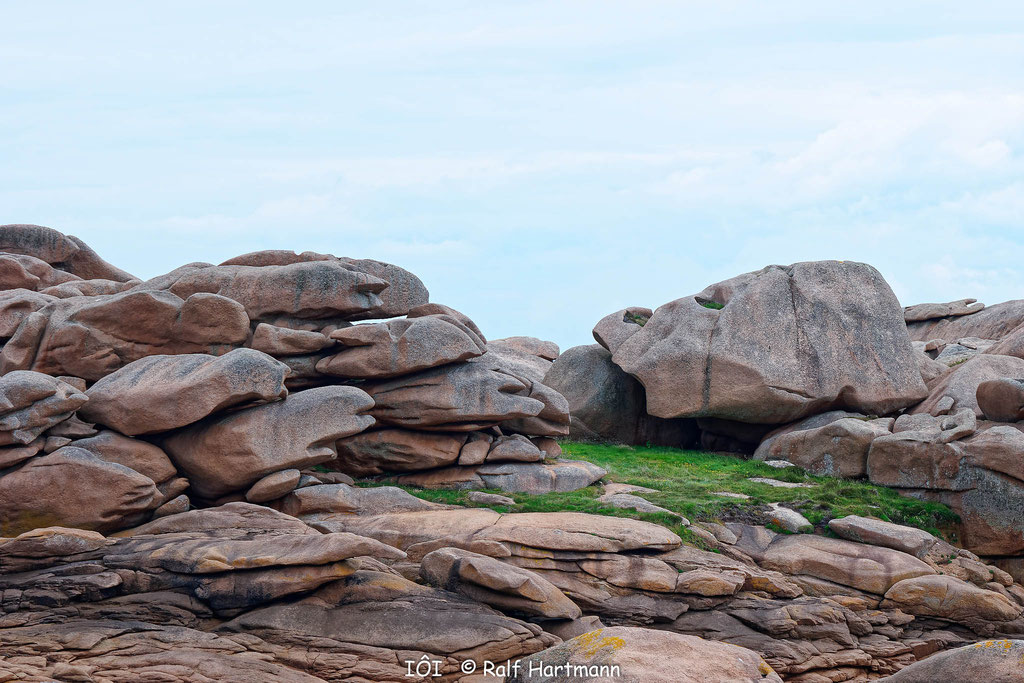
(1001, 400)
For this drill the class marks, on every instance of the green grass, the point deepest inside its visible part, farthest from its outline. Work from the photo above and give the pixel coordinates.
(686, 480)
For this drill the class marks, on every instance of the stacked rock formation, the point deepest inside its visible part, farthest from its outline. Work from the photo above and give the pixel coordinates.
(177, 494)
(222, 383)
(817, 364)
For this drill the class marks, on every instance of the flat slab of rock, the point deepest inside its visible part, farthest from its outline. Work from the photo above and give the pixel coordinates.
(513, 477)
(948, 597)
(330, 499)
(231, 452)
(780, 484)
(567, 531)
(490, 498)
(864, 567)
(160, 393)
(627, 501)
(919, 312)
(877, 532)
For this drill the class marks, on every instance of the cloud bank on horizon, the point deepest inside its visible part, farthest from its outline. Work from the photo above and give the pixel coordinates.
(537, 164)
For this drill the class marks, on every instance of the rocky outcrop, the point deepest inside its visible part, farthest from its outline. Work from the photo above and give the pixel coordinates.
(777, 345)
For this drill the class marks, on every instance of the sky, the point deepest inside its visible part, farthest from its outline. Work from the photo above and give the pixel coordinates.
(537, 164)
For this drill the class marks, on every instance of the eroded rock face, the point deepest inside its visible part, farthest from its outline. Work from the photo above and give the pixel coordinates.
(64, 252)
(161, 393)
(644, 654)
(830, 444)
(464, 397)
(513, 590)
(91, 337)
(400, 347)
(31, 403)
(73, 487)
(962, 383)
(228, 453)
(994, 322)
(512, 477)
(996, 661)
(305, 290)
(787, 342)
(920, 312)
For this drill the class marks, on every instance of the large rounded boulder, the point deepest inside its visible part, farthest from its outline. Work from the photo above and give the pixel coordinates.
(777, 345)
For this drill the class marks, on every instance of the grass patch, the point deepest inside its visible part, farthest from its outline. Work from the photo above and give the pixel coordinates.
(640, 320)
(686, 482)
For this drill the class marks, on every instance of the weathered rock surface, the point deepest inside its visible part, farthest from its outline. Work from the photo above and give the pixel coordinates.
(834, 443)
(507, 588)
(400, 347)
(993, 661)
(75, 488)
(305, 290)
(641, 654)
(230, 452)
(787, 342)
(160, 393)
(994, 322)
(512, 477)
(548, 350)
(31, 403)
(463, 397)
(606, 404)
(92, 336)
(877, 532)
(921, 312)
(64, 252)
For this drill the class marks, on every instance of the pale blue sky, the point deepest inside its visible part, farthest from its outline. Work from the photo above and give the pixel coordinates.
(537, 164)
